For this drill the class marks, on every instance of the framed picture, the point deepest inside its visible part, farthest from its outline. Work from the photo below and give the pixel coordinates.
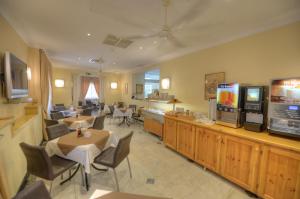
(211, 83)
(139, 88)
(126, 88)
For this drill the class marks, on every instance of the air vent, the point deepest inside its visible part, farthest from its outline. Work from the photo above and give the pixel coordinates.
(113, 40)
(96, 60)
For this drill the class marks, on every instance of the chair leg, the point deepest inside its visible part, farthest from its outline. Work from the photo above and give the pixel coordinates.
(50, 191)
(129, 167)
(117, 182)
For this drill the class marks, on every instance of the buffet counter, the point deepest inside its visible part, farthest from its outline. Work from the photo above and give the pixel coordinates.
(266, 165)
(153, 121)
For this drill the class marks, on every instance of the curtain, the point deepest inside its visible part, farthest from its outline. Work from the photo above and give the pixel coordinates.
(85, 83)
(46, 80)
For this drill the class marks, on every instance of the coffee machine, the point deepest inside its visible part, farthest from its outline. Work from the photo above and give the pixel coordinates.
(230, 104)
(256, 108)
(284, 107)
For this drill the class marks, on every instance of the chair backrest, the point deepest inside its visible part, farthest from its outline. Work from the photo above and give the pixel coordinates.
(122, 149)
(111, 108)
(38, 161)
(133, 107)
(87, 112)
(59, 104)
(37, 190)
(120, 105)
(89, 103)
(102, 106)
(99, 122)
(50, 122)
(57, 130)
(57, 116)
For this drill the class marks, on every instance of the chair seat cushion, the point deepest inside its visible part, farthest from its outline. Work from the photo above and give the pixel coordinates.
(106, 158)
(60, 165)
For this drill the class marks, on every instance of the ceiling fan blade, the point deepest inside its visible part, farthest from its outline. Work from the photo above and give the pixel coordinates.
(196, 9)
(175, 41)
(138, 37)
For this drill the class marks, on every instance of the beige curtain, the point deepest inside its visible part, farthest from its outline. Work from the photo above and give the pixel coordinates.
(85, 82)
(4, 194)
(97, 85)
(46, 90)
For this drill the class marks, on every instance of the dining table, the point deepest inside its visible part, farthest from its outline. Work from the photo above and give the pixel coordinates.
(82, 149)
(78, 121)
(125, 113)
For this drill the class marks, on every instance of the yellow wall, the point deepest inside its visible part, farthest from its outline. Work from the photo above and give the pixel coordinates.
(31, 132)
(254, 59)
(64, 95)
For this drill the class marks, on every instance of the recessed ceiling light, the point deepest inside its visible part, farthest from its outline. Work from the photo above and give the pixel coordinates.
(89, 34)
(155, 42)
(141, 47)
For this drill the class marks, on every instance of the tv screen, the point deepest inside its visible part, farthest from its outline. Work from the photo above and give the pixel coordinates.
(15, 77)
(286, 91)
(253, 94)
(228, 95)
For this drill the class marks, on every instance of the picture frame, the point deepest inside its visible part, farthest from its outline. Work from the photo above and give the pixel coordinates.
(139, 88)
(211, 84)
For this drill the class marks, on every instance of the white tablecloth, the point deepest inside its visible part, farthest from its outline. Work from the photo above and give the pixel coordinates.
(84, 154)
(77, 124)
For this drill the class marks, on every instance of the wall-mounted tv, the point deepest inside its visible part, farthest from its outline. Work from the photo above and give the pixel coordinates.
(228, 95)
(15, 74)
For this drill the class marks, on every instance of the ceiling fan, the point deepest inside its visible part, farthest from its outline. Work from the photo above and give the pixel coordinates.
(166, 31)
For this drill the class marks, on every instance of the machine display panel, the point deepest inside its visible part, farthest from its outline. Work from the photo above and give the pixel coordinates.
(228, 95)
(286, 91)
(253, 94)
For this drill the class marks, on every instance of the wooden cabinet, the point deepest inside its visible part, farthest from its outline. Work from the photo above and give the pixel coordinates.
(153, 126)
(262, 164)
(186, 139)
(279, 174)
(207, 149)
(170, 133)
(240, 160)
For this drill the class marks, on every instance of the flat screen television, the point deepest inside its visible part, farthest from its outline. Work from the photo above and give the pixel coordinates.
(286, 91)
(228, 95)
(15, 74)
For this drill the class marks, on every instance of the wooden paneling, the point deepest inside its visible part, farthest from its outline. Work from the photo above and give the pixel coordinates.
(207, 150)
(170, 133)
(153, 126)
(240, 160)
(279, 174)
(186, 139)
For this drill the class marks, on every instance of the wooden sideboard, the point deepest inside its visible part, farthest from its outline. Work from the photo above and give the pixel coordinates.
(266, 165)
(153, 121)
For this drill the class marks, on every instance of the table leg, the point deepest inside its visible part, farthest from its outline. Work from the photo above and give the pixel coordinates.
(123, 121)
(87, 185)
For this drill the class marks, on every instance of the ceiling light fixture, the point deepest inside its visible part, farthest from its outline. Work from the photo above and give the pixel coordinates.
(89, 34)
(141, 47)
(155, 42)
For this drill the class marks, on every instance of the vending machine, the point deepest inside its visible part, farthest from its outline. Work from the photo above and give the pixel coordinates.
(284, 107)
(256, 108)
(230, 105)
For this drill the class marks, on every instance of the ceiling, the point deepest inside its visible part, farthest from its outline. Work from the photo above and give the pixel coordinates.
(61, 27)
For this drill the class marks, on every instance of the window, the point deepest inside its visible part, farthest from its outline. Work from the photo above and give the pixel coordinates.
(91, 93)
(151, 82)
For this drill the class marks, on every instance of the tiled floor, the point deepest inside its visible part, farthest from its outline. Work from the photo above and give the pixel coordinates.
(173, 175)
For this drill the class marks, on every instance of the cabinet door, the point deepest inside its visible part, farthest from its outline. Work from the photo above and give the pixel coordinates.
(170, 133)
(279, 174)
(186, 139)
(207, 150)
(153, 126)
(240, 161)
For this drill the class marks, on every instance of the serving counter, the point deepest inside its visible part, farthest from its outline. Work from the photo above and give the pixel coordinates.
(266, 165)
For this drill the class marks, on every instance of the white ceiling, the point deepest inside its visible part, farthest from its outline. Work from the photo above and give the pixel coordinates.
(61, 26)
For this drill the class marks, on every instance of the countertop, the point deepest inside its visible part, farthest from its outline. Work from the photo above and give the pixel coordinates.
(262, 137)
